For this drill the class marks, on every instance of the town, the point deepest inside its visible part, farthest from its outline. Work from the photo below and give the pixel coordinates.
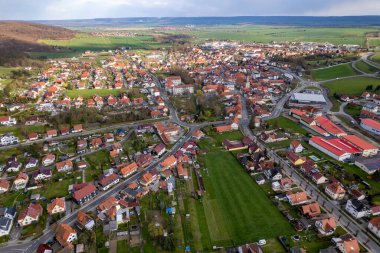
(224, 146)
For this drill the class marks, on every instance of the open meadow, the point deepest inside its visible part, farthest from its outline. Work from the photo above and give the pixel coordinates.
(89, 93)
(232, 206)
(366, 67)
(353, 86)
(341, 70)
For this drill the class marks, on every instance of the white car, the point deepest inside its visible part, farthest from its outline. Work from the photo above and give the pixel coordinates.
(262, 242)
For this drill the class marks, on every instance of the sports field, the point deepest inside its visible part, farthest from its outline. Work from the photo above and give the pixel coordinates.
(333, 72)
(88, 93)
(366, 67)
(236, 208)
(353, 86)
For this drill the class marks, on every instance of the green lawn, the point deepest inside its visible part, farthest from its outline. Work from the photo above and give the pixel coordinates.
(375, 58)
(333, 72)
(366, 68)
(54, 189)
(234, 204)
(353, 109)
(287, 124)
(353, 86)
(122, 246)
(88, 93)
(215, 139)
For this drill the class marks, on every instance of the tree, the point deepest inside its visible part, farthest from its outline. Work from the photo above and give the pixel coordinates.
(369, 87)
(87, 237)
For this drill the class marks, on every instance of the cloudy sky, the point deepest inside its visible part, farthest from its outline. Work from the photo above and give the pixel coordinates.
(83, 9)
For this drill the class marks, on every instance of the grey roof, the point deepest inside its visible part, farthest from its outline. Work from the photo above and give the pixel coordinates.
(306, 97)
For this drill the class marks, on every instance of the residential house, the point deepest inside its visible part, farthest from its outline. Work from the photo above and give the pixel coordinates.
(168, 163)
(57, 205)
(273, 174)
(297, 198)
(95, 143)
(84, 192)
(7, 121)
(326, 226)
(64, 166)
(32, 136)
(348, 244)
(66, 235)
(311, 210)
(107, 181)
(42, 174)
(147, 179)
(129, 169)
(144, 160)
(48, 159)
(159, 149)
(295, 159)
(7, 215)
(30, 215)
(296, 146)
(356, 208)
(182, 172)
(20, 181)
(77, 128)
(51, 133)
(8, 139)
(335, 190)
(4, 185)
(32, 163)
(85, 221)
(374, 226)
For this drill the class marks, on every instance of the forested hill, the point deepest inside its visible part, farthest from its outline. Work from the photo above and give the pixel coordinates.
(16, 38)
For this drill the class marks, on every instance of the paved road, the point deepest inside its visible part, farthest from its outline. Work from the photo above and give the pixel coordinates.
(86, 132)
(49, 233)
(353, 226)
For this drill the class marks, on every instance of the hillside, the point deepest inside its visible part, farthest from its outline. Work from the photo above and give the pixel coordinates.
(16, 38)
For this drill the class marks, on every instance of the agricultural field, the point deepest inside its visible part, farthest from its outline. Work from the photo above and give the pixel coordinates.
(264, 34)
(83, 42)
(5, 71)
(89, 93)
(366, 67)
(342, 70)
(353, 86)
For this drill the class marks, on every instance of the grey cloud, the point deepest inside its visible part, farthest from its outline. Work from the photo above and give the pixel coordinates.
(70, 9)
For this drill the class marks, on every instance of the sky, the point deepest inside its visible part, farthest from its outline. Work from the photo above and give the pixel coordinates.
(86, 9)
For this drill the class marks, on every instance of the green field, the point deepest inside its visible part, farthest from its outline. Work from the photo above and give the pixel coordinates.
(333, 72)
(83, 42)
(235, 213)
(5, 71)
(287, 124)
(88, 93)
(366, 67)
(261, 33)
(375, 58)
(354, 86)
